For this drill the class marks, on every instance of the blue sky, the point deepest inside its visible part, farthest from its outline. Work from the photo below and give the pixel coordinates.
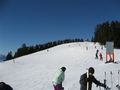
(39, 21)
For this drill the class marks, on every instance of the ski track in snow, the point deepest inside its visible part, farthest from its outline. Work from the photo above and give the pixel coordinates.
(35, 71)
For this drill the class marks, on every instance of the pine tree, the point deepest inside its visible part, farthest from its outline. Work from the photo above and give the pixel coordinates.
(9, 56)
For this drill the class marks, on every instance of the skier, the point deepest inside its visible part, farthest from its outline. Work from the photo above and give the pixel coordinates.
(97, 54)
(95, 46)
(59, 78)
(101, 58)
(86, 47)
(84, 80)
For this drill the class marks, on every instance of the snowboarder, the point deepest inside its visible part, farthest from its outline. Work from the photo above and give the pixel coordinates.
(59, 78)
(101, 58)
(91, 79)
(97, 54)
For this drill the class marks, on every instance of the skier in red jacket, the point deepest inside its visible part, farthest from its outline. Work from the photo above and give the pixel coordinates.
(101, 58)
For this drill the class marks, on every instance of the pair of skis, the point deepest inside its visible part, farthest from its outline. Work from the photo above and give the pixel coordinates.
(105, 81)
(118, 86)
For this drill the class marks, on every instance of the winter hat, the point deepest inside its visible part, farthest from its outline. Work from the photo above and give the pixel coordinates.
(91, 70)
(63, 68)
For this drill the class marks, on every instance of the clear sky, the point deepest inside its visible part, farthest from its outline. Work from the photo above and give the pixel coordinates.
(39, 21)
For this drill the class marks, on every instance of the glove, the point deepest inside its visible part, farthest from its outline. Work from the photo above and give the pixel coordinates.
(104, 85)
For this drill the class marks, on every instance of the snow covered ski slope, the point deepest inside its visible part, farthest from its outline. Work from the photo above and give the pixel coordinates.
(36, 71)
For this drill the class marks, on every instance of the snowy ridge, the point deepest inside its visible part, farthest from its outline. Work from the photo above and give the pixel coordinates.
(35, 71)
(2, 57)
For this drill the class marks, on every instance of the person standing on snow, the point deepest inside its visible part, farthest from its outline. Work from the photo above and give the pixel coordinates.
(101, 58)
(96, 54)
(59, 78)
(91, 79)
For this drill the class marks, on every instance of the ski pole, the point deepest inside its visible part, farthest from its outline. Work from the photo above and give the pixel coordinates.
(105, 80)
(111, 80)
(118, 76)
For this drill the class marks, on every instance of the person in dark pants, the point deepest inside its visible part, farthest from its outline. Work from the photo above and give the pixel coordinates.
(101, 58)
(59, 78)
(91, 79)
(96, 54)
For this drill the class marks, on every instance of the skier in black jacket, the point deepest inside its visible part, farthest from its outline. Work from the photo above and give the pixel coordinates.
(83, 80)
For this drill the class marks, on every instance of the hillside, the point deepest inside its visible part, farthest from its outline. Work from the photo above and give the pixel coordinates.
(2, 57)
(35, 71)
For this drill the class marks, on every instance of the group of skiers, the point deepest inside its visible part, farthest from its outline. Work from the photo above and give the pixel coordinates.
(85, 81)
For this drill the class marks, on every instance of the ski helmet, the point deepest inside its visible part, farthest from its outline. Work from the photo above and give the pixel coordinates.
(63, 68)
(91, 70)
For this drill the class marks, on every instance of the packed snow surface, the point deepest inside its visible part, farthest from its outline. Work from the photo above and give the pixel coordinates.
(36, 71)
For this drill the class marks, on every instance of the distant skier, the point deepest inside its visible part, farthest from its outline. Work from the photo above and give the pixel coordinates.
(101, 58)
(91, 79)
(59, 78)
(95, 47)
(86, 47)
(96, 54)
(47, 50)
(101, 47)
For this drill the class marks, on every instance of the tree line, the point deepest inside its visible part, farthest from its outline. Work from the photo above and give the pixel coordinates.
(107, 31)
(25, 50)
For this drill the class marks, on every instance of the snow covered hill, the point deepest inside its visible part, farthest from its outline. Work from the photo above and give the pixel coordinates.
(2, 57)
(36, 71)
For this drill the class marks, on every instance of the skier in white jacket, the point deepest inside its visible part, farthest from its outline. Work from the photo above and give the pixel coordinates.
(59, 78)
